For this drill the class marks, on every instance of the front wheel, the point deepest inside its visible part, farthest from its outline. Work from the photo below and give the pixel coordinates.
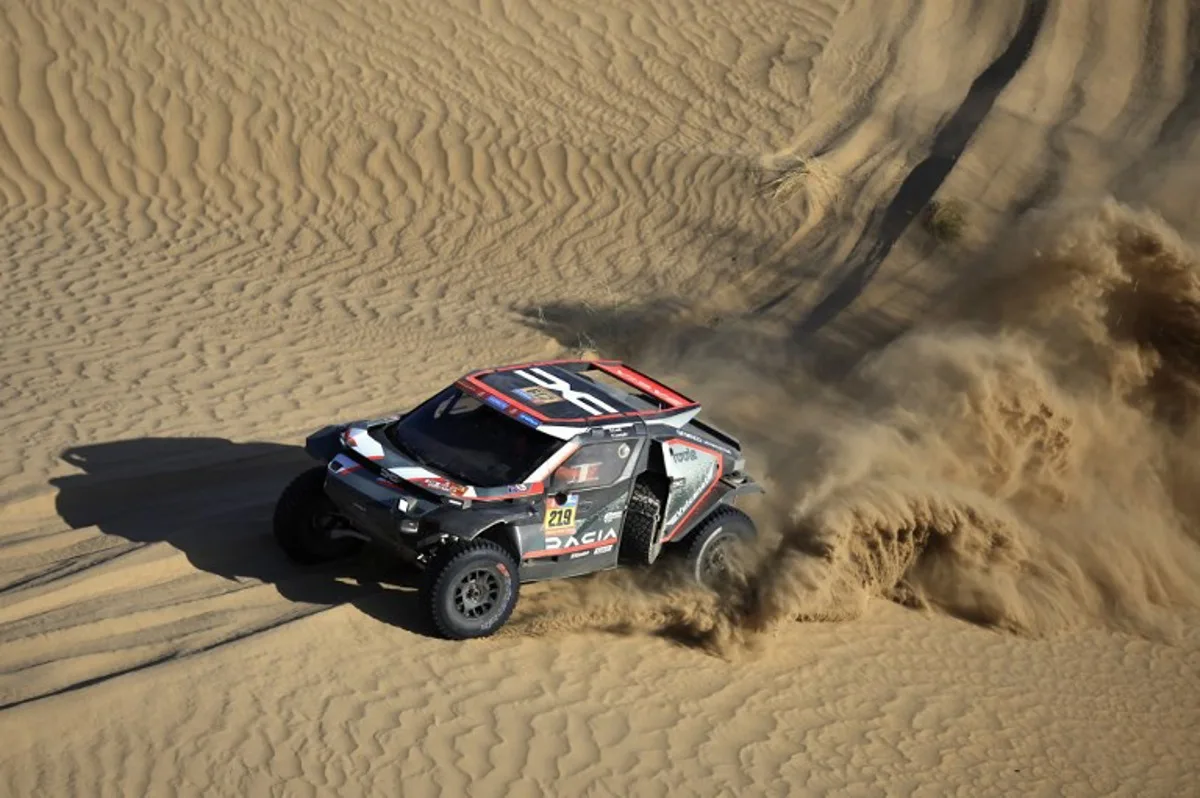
(470, 589)
(305, 521)
(708, 550)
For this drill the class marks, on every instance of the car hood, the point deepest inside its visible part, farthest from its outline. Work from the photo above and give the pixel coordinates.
(365, 438)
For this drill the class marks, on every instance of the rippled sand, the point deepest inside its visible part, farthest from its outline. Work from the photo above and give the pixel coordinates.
(225, 224)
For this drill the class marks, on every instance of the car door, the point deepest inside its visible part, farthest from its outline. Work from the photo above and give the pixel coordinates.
(693, 470)
(581, 517)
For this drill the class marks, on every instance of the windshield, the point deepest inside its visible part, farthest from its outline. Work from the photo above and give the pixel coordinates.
(469, 441)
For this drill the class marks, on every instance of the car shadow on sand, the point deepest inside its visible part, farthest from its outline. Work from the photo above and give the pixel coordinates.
(212, 499)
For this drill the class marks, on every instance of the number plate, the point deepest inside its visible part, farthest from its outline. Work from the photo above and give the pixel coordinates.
(560, 516)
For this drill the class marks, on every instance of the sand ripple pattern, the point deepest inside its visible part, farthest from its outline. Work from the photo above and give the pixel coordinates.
(224, 223)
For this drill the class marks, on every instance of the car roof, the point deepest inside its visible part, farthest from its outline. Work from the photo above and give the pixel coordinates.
(578, 393)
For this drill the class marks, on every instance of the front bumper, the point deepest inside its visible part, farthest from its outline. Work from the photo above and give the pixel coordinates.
(371, 508)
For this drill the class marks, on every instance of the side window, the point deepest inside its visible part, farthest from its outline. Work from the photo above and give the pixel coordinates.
(596, 465)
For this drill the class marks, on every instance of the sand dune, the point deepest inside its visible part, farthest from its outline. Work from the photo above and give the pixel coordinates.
(225, 224)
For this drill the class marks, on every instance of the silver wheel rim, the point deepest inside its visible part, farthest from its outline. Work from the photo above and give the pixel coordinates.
(713, 562)
(477, 593)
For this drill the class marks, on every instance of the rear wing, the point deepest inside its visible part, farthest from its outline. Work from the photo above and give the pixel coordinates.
(638, 382)
(716, 432)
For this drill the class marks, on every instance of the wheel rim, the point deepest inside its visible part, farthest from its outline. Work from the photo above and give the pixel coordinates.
(477, 594)
(714, 562)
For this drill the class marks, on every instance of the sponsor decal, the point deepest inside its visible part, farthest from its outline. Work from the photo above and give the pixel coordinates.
(580, 474)
(441, 485)
(655, 389)
(705, 441)
(496, 402)
(623, 451)
(538, 395)
(525, 418)
(683, 454)
(560, 516)
(689, 492)
(589, 404)
(613, 515)
(590, 539)
(518, 488)
(605, 549)
(579, 554)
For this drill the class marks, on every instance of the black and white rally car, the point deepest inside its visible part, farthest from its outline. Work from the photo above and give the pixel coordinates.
(522, 473)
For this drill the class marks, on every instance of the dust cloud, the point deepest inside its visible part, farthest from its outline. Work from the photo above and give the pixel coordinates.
(1026, 461)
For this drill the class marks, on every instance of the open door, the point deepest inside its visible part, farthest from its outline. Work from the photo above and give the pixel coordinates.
(693, 470)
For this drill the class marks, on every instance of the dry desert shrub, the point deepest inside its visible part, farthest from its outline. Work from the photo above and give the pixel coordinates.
(946, 220)
(800, 175)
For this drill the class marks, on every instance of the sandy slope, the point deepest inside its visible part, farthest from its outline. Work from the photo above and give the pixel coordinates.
(224, 224)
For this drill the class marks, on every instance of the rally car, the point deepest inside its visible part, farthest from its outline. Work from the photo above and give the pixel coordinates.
(522, 473)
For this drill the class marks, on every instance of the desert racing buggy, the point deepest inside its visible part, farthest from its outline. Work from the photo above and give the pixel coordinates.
(522, 473)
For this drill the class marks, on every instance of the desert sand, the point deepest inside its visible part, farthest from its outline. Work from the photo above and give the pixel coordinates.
(226, 224)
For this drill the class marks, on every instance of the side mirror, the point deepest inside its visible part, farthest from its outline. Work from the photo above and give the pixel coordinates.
(558, 483)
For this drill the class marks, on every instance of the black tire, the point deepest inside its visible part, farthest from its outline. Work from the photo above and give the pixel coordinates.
(470, 589)
(706, 545)
(641, 536)
(304, 517)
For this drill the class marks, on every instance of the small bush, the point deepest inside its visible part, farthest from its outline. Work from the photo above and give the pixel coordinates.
(946, 220)
(798, 178)
(789, 179)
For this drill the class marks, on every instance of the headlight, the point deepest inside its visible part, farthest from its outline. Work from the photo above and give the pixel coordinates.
(404, 504)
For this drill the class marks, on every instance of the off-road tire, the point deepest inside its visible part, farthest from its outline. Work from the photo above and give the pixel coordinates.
(725, 525)
(303, 517)
(461, 577)
(641, 537)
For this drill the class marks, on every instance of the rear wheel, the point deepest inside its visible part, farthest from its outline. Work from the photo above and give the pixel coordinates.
(708, 549)
(305, 521)
(470, 589)
(641, 534)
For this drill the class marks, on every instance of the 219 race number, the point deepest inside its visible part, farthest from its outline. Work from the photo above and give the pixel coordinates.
(560, 517)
